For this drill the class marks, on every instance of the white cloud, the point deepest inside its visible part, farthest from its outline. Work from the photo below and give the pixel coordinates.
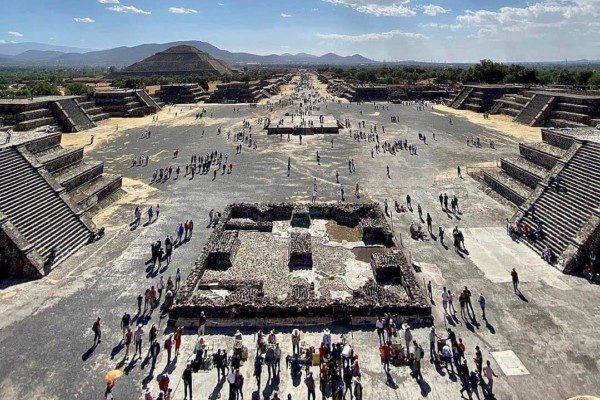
(16, 34)
(220, 4)
(452, 27)
(85, 20)
(433, 10)
(128, 10)
(366, 37)
(379, 8)
(109, 1)
(284, 15)
(181, 10)
(544, 18)
(2, 41)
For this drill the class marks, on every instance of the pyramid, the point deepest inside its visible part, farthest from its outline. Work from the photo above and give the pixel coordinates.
(178, 60)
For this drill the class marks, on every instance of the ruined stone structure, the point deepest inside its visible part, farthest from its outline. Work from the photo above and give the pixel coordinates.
(393, 93)
(551, 108)
(570, 215)
(304, 125)
(236, 92)
(481, 97)
(62, 113)
(126, 103)
(45, 191)
(184, 93)
(282, 292)
(178, 60)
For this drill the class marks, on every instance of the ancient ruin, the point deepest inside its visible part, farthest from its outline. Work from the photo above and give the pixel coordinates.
(178, 60)
(283, 262)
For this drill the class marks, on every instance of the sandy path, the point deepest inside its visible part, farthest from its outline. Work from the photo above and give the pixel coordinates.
(500, 123)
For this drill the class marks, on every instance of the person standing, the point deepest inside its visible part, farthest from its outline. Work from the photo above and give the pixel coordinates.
(178, 336)
(187, 380)
(482, 304)
(358, 389)
(177, 279)
(169, 347)
(432, 344)
(515, 280)
(125, 321)
(407, 337)
(468, 303)
(201, 323)
(309, 381)
(140, 298)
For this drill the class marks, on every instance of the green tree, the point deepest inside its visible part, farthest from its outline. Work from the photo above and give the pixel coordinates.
(594, 80)
(44, 88)
(78, 89)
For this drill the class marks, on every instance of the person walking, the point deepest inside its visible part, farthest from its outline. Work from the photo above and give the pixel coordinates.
(125, 321)
(407, 337)
(489, 374)
(154, 351)
(187, 380)
(97, 329)
(433, 336)
(138, 336)
(451, 298)
(445, 300)
(128, 337)
(178, 336)
(468, 304)
(515, 280)
(169, 347)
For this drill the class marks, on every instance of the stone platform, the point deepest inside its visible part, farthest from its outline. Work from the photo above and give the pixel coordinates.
(297, 273)
(303, 125)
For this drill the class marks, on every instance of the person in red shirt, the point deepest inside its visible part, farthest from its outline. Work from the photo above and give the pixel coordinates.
(386, 353)
(163, 382)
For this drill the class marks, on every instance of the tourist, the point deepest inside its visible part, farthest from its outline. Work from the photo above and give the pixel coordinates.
(239, 384)
(178, 337)
(125, 321)
(408, 337)
(432, 344)
(379, 326)
(154, 351)
(515, 280)
(201, 323)
(489, 374)
(138, 336)
(177, 279)
(258, 362)
(295, 342)
(445, 300)
(468, 304)
(187, 380)
(97, 329)
(482, 303)
(385, 353)
(309, 381)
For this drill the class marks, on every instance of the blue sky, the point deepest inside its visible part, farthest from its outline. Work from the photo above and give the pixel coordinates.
(436, 30)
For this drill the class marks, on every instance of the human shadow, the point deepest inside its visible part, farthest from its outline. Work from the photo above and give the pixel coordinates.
(116, 350)
(425, 388)
(522, 297)
(490, 327)
(216, 393)
(88, 353)
(389, 380)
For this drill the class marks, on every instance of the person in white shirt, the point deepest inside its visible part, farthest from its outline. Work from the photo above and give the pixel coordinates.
(445, 300)
(489, 374)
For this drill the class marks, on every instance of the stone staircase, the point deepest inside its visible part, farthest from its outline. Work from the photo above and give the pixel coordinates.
(37, 214)
(565, 212)
(535, 111)
(461, 97)
(147, 100)
(510, 104)
(567, 215)
(72, 116)
(95, 113)
(85, 181)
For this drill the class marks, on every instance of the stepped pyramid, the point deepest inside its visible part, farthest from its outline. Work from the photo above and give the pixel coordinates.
(178, 60)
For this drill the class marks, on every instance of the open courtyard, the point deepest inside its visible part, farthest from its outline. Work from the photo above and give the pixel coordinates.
(541, 341)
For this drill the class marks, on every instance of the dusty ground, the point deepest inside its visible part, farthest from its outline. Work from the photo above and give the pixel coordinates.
(542, 345)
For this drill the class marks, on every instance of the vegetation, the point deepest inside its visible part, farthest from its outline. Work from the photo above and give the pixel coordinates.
(78, 89)
(485, 72)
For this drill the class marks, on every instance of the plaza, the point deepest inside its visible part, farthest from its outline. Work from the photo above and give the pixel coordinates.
(542, 342)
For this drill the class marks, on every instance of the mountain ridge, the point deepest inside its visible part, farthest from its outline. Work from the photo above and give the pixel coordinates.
(123, 56)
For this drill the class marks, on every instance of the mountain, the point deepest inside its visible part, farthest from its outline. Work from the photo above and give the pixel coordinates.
(12, 49)
(178, 60)
(37, 55)
(124, 56)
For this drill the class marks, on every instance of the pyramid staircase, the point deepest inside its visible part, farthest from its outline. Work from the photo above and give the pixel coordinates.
(570, 216)
(36, 215)
(72, 116)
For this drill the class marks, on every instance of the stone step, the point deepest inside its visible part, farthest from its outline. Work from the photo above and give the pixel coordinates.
(34, 114)
(58, 158)
(570, 116)
(100, 117)
(79, 173)
(88, 194)
(563, 123)
(34, 123)
(576, 108)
